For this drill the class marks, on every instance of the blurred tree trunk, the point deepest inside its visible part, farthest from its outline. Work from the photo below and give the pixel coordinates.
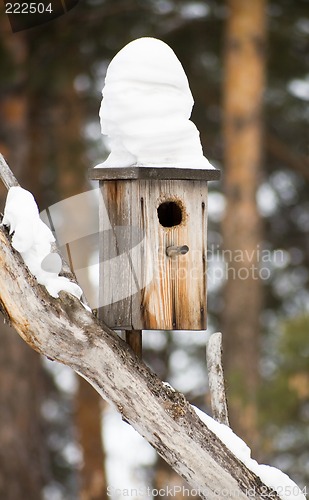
(46, 126)
(23, 449)
(67, 121)
(242, 233)
(23, 452)
(88, 418)
(13, 101)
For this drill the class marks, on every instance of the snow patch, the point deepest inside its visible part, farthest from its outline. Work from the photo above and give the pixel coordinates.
(32, 239)
(270, 476)
(146, 109)
(166, 384)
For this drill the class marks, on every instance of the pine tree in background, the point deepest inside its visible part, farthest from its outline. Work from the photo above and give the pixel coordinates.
(60, 82)
(243, 100)
(24, 459)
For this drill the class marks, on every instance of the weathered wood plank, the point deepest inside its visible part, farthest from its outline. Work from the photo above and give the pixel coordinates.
(115, 282)
(153, 173)
(141, 287)
(174, 295)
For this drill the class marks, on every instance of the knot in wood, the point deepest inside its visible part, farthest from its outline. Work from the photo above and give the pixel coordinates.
(176, 405)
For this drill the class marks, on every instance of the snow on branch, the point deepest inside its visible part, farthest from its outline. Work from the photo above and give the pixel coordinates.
(33, 240)
(62, 329)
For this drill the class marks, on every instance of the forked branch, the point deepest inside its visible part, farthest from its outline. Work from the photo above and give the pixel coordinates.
(65, 331)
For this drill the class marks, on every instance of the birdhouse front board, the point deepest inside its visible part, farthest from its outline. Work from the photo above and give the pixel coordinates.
(153, 251)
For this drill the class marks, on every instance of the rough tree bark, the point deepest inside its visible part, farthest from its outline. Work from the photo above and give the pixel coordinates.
(216, 378)
(243, 94)
(24, 466)
(65, 331)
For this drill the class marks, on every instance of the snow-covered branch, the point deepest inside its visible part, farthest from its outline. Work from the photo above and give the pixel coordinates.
(63, 330)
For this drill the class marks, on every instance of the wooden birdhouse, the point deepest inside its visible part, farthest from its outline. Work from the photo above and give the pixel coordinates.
(153, 247)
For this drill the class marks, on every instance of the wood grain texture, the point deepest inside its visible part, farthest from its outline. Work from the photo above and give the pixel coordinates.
(141, 287)
(116, 283)
(153, 173)
(134, 338)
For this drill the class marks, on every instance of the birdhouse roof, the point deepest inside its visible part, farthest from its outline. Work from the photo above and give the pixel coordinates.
(154, 173)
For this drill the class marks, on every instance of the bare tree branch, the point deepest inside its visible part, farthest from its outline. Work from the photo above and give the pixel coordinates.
(63, 330)
(7, 176)
(216, 378)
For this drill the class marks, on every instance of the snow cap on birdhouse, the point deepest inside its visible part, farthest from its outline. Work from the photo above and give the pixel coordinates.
(153, 206)
(146, 109)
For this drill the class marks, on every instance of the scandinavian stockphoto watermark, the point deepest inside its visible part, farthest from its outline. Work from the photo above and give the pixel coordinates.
(25, 14)
(243, 264)
(79, 234)
(185, 492)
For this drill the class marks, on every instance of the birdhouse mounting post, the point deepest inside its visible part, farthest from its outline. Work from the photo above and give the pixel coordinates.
(134, 340)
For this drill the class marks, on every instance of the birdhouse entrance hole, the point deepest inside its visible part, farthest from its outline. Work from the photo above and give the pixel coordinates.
(170, 214)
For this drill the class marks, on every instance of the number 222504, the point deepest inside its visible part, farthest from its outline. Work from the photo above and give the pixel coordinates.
(27, 8)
